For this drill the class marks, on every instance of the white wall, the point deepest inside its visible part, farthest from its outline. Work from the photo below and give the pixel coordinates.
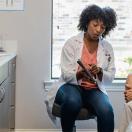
(32, 29)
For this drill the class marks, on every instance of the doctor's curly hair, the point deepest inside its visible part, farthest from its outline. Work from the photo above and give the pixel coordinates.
(93, 12)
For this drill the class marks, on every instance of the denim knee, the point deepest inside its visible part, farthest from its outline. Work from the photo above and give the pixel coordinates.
(72, 105)
(107, 114)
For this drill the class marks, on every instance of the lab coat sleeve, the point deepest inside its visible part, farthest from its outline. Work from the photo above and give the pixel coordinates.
(68, 62)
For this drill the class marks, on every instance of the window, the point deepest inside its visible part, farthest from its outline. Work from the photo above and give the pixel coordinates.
(65, 20)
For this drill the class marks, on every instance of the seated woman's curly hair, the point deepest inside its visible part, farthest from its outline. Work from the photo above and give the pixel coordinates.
(94, 12)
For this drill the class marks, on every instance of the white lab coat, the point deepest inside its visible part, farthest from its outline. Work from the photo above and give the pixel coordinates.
(126, 117)
(71, 52)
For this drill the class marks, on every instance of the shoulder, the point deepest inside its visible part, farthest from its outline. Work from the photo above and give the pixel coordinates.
(73, 41)
(106, 44)
(129, 104)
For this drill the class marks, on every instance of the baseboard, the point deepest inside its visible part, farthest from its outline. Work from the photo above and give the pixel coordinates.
(53, 130)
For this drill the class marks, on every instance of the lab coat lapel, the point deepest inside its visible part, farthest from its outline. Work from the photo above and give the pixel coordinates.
(100, 54)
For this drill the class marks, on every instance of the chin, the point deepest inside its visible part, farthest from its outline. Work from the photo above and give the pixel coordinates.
(95, 38)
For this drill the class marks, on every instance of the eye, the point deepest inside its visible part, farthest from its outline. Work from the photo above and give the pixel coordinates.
(103, 27)
(95, 24)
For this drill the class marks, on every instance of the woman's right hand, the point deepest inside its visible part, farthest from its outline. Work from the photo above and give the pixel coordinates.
(82, 75)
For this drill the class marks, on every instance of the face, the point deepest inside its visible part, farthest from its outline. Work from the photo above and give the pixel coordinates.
(129, 79)
(95, 29)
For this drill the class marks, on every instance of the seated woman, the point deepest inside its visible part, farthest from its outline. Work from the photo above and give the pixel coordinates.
(127, 113)
(76, 89)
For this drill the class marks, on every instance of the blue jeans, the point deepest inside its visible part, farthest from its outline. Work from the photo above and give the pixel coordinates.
(72, 98)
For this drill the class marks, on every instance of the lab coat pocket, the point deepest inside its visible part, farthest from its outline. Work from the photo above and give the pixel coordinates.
(106, 62)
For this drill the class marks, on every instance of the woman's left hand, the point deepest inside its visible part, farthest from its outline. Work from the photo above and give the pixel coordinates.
(94, 69)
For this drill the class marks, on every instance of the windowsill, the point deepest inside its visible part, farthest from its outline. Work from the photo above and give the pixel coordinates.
(114, 81)
(117, 85)
(119, 81)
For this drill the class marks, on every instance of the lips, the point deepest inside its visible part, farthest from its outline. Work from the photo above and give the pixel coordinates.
(97, 35)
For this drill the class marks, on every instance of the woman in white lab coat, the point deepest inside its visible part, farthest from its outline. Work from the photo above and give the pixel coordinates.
(75, 89)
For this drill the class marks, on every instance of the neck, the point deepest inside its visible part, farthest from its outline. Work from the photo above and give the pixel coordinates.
(91, 44)
(89, 39)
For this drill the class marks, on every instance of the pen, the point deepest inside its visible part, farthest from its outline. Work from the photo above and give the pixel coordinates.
(86, 71)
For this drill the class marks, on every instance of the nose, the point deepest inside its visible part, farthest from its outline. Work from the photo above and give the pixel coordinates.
(98, 29)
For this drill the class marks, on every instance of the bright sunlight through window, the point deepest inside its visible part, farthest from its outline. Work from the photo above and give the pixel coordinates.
(65, 20)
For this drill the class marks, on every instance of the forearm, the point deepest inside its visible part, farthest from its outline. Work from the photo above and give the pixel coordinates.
(69, 77)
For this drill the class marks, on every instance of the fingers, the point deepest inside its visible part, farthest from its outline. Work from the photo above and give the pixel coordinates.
(82, 75)
(87, 79)
(94, 69)
(79, 74)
